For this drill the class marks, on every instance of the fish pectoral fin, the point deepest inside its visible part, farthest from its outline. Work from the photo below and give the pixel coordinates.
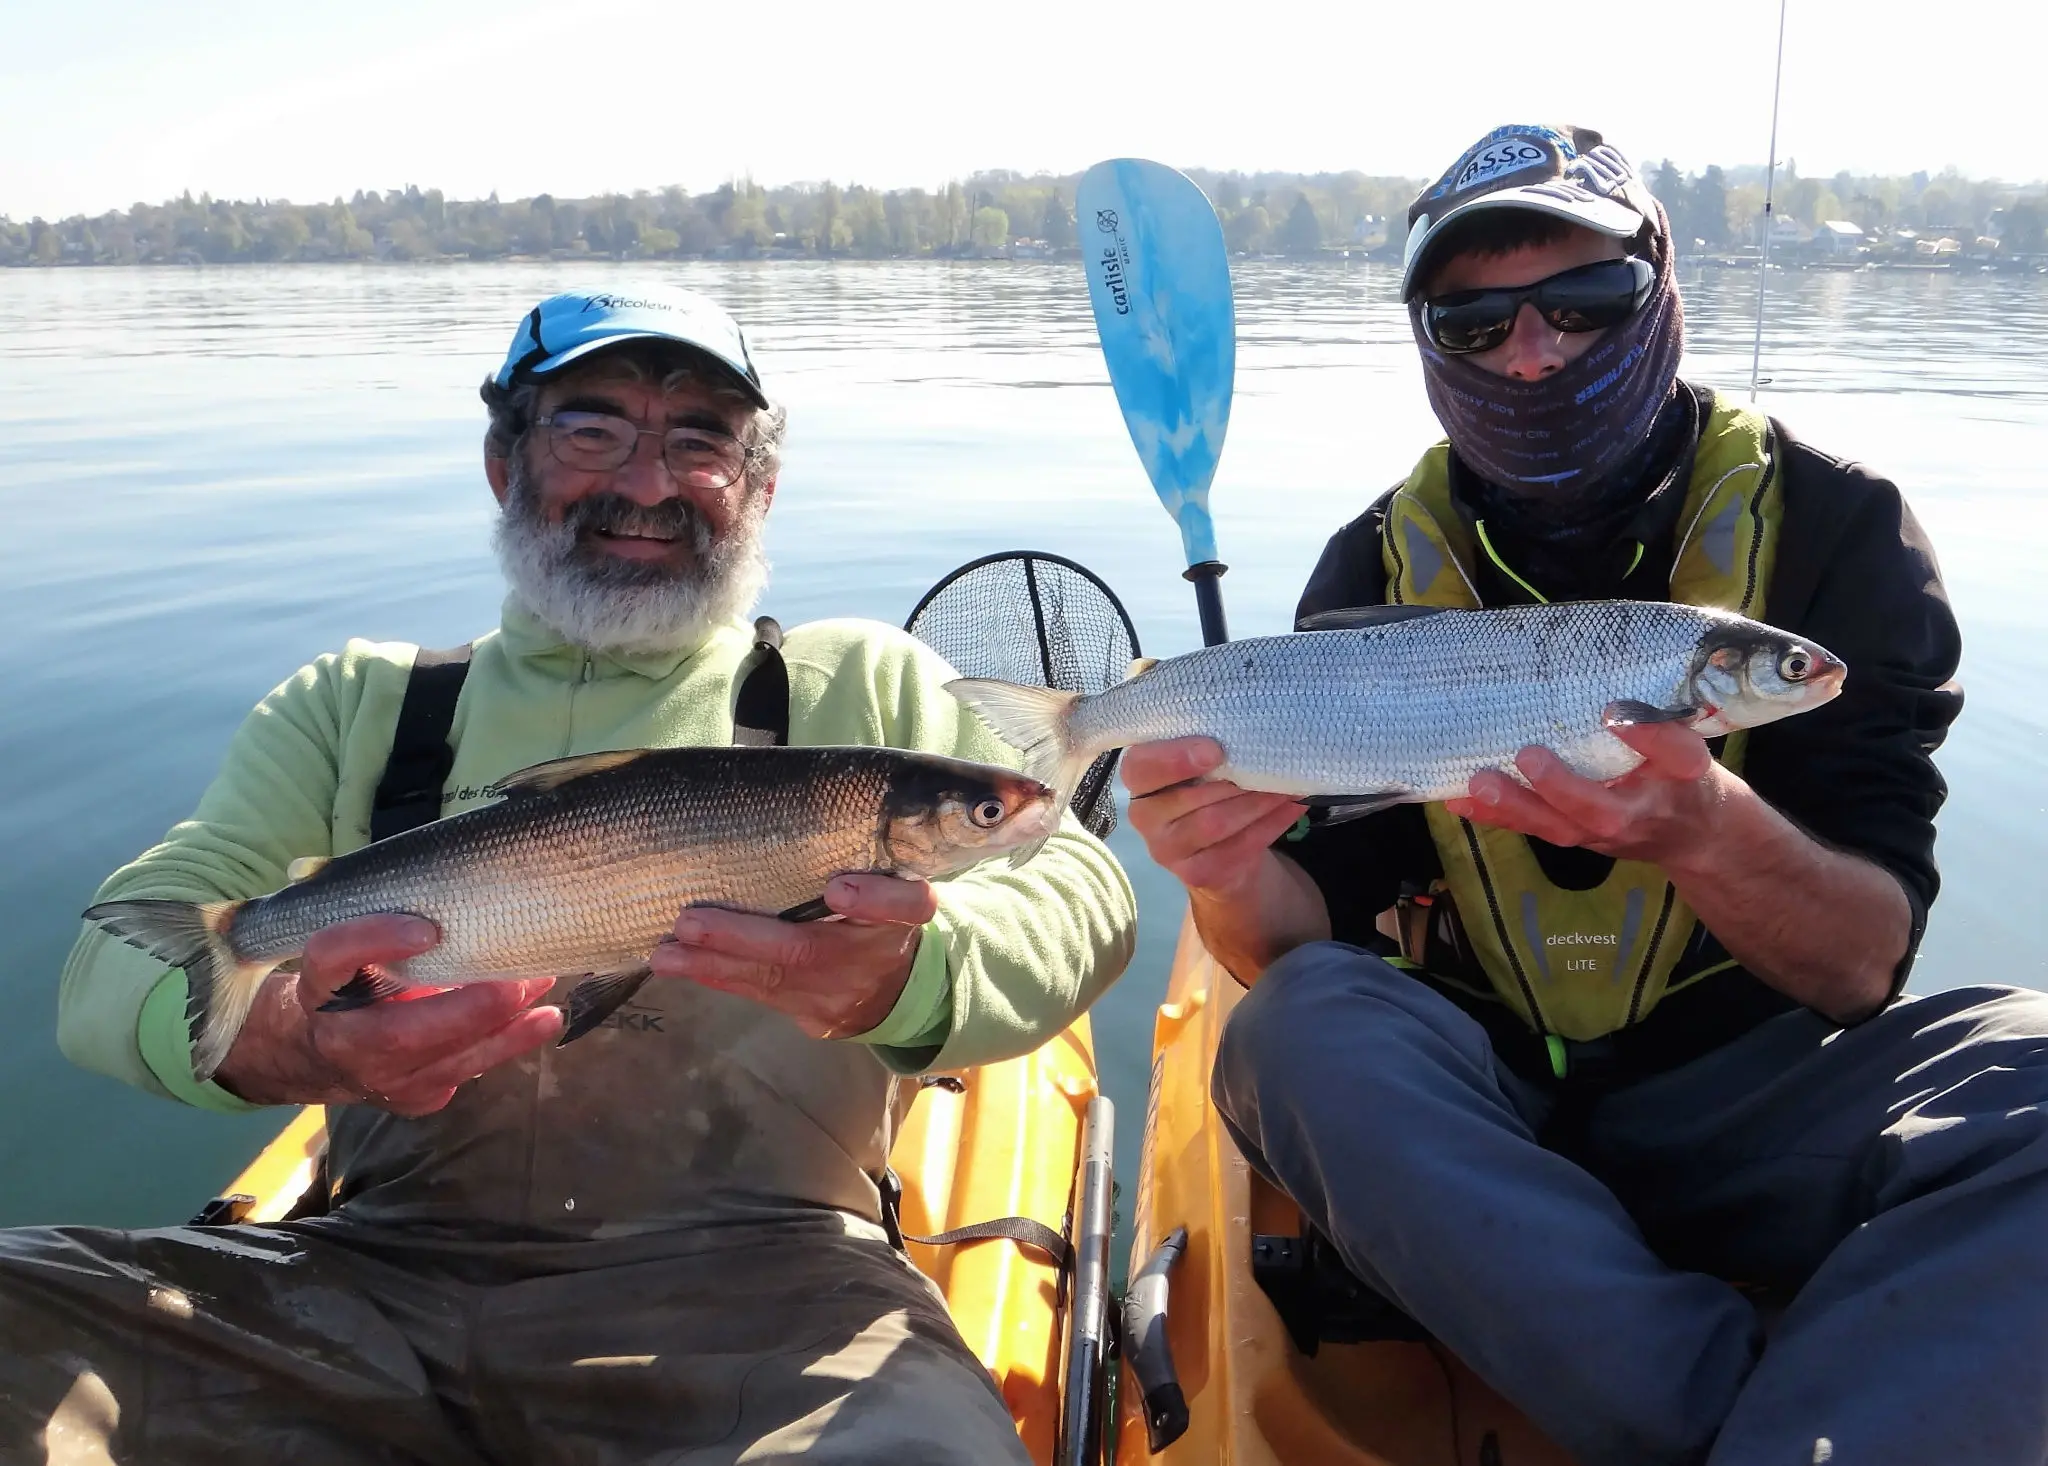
(304, 868)
(1350, 618)
(559, 771)
(1335, 810)
(1627, 713)
(1139, 667)
(595, 999)
(814, 909)
(366, 987)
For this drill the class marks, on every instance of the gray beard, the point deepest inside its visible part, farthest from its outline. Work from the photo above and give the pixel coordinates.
(604, 604)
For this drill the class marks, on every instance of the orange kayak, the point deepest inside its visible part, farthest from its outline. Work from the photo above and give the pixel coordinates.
(1253, 1396)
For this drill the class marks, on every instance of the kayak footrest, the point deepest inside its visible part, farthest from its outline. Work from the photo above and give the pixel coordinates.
(1320, 1300)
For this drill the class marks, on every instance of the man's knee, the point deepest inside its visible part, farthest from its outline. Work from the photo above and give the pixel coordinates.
(1330, 1021)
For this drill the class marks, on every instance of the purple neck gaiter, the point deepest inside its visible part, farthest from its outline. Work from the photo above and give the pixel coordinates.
(1555, 445)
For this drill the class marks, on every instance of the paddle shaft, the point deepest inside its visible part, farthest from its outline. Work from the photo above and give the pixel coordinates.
(1209, 600)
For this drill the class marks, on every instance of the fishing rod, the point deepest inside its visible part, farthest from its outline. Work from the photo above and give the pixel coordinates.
(1763, 269)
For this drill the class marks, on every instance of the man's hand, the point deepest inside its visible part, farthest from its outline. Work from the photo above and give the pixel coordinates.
(1250, 906)
(1210, 834)
(408, 1057)
(1824, 927)
(835, 979)
(1663, 811)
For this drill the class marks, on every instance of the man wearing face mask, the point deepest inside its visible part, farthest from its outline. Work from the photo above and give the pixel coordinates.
(664, 1241)
(1556, 1064)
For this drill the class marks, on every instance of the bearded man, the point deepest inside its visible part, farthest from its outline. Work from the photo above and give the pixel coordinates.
(666, 1239)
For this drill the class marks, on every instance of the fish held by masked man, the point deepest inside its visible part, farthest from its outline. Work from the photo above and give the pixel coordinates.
(585, 863)
(1384, 705)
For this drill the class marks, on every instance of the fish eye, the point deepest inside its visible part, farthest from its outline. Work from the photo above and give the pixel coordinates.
(988, 813)
(1795, 664)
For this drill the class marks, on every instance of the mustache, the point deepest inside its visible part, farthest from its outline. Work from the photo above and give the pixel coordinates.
(610, 513)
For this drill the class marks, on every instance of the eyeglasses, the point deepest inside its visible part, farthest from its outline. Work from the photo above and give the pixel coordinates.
(1589, 298)
(600, 442)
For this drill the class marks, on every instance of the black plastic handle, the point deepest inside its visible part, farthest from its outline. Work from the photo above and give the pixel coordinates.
(1209, 600)
(1146, 1346)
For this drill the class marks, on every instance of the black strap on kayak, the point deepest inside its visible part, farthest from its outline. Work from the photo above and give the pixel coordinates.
(409, 794)
(1022, 1230)
(760, 713)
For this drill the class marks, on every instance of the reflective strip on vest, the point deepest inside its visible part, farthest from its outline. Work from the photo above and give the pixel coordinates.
(1580, 964)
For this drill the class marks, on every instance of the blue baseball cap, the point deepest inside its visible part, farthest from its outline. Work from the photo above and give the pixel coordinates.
(566, 328)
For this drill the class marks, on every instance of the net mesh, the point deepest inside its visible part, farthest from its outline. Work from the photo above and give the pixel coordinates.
(1031, 617)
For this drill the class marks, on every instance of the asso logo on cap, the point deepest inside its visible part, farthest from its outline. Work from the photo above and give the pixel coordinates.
(1505, 151)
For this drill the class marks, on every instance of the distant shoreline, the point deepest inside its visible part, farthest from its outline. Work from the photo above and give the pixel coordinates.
(1328, 255)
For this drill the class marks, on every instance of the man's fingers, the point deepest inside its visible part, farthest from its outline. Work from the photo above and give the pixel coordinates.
(1149, 767)
(334, 954)
(1215, 867)
(1598, 812)
(1669, 750)
(524, 1033)
(882, 899)
(1221, 822)
(400, 1037)
(1495, 799)
(1153, 813)
(743, 934)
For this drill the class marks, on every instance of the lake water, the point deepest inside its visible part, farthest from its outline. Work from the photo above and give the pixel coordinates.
(207, 477)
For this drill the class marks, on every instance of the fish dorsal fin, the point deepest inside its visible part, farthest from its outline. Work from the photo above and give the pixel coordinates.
(1351, 618)
(304, 868)
(1139, 667)
(559, 771)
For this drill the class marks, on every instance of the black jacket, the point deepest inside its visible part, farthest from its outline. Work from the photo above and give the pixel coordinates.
(1855, 572)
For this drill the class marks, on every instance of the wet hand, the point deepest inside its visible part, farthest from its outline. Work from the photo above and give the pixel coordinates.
(1212, 835)
(405, 1056)
(834, 979)
(1663, 811)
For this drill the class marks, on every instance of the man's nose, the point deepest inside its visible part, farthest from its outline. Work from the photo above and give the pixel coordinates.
(644, 478)
(1532, 348)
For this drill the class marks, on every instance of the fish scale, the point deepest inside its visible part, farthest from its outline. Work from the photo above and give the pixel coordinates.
(1411, 705)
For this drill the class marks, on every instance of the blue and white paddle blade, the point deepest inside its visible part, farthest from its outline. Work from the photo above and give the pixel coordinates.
(1159, 280)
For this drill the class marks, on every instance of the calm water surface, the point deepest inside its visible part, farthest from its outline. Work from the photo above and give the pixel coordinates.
(207, 477)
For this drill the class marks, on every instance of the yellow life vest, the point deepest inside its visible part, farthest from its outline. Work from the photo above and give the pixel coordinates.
(1580, 964)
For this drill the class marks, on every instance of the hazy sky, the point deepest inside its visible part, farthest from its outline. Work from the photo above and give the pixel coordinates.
(106, 102)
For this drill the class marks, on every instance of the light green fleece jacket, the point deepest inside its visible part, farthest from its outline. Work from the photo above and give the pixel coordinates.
(1012, 958)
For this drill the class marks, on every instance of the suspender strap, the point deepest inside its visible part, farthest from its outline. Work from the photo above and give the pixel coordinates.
(760, 716)
(409, 794)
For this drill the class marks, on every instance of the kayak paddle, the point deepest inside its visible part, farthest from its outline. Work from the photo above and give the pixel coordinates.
(1159, 281)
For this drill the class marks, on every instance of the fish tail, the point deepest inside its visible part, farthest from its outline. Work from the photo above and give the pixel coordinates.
(1036, 722)
(220, 987)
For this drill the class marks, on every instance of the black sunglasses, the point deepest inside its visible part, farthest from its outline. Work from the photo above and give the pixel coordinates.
(1589, 298)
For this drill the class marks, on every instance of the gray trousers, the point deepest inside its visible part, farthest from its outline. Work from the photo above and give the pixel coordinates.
(343, 1346)
(1894, 1174)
